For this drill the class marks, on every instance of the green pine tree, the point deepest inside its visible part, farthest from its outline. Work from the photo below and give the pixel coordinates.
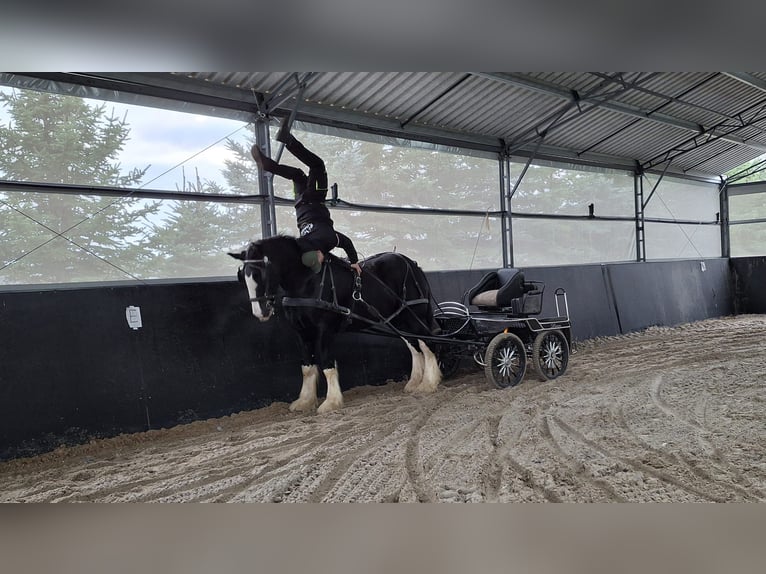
(60, 139)
(192, 239)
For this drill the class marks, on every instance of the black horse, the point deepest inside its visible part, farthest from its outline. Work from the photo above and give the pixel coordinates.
(391, 296)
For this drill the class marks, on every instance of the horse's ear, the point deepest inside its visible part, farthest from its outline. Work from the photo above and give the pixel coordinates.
(240, 256)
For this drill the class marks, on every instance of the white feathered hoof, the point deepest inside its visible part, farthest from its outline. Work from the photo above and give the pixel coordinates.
(432, 374)
(330, 405)
(303, 405)
(334, 400)
(307, 400)
(416, 373)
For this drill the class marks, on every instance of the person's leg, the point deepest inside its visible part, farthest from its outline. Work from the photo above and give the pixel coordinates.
(317, 178)
(267, 164)
(283, 135)
(314, 245)
(311, 254)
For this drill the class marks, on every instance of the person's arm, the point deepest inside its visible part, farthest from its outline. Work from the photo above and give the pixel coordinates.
(345, 244)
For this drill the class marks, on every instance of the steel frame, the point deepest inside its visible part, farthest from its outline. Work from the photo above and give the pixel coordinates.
(263, 108)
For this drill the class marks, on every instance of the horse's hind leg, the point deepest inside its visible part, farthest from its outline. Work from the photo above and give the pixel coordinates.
(432, 374)
(307, 400)
(418, 365)
(334, 399)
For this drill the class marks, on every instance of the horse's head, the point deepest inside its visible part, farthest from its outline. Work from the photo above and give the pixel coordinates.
(260, 277)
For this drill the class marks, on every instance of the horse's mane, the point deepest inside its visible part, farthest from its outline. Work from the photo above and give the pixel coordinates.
(280, 242)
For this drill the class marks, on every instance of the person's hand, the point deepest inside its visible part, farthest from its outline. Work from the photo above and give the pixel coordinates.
(357, 268)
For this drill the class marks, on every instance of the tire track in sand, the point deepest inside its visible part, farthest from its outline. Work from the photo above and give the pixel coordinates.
(413, 464)
(636, 465)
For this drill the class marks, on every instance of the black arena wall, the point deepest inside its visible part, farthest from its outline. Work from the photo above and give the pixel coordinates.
(749, 284)
(71, 368)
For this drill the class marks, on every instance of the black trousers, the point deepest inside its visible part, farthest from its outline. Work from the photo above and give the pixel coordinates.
(324, 238)
(316, 180)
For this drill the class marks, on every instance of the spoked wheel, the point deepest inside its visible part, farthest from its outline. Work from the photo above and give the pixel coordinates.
(550, 354)
(505, 361)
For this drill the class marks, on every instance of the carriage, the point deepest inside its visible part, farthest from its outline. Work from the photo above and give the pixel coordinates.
(495, 324)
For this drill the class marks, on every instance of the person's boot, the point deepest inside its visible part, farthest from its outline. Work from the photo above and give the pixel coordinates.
(283, 135)
(264, 163)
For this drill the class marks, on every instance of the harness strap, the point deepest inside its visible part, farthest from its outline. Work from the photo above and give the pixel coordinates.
(405, 304)
(380, 321)
(316, 303)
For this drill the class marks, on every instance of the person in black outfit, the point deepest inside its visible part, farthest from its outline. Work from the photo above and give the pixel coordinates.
(317, 234)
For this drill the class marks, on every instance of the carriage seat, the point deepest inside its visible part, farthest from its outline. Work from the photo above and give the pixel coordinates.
(506, 289)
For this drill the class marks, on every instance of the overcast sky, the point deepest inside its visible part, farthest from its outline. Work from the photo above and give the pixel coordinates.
(168, 140)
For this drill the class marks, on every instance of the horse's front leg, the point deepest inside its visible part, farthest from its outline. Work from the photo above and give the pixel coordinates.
(334, 399)
(307, 400)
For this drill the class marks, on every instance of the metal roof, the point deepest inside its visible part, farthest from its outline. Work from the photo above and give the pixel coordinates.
(695, 123)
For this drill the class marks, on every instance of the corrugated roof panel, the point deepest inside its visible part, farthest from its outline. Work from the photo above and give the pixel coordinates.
(644, 141)
(264, 82)
(729, 161)
(488, 107)
(527, 116)
(583, 82)
(717, 104)
(447, 107)
(728, 95)
(755, 134)
(695, 158)
(590, 130)
(670, 95)
(392, 95)
(516, 106)
(666, 84)
(475, 105)
(356, 91)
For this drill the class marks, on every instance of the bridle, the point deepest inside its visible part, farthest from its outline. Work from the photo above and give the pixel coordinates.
(267, 299)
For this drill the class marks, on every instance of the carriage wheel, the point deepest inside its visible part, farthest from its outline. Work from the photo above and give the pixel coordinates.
(505, 361)
(550, 354)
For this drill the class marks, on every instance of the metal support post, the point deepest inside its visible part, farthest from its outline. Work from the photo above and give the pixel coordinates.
(506, 220)
(723, 219)
(265, 182)
(638, 185)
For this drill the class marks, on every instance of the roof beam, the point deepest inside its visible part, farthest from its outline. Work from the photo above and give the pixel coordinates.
(711, 135)
(619, 107)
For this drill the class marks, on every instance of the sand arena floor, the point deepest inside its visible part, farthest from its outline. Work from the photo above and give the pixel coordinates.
(664, 415)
